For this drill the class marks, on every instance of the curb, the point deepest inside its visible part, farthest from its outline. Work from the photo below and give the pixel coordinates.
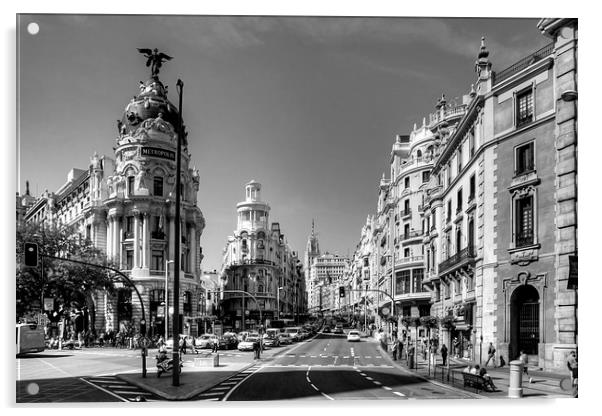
(200, 390)
(436, 383)
(186, 396)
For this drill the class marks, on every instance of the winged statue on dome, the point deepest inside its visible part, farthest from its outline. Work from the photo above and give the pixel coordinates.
(154, 59)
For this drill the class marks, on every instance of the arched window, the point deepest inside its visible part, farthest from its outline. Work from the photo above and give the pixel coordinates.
(418, 153)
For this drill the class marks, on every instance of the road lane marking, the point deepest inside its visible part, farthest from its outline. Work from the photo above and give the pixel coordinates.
(378, 383)
(56, 368)
(387, 388)
(363, 374)
(105, 390)
(315, 388)
(241, 382)
(368, 356)
(399, 394)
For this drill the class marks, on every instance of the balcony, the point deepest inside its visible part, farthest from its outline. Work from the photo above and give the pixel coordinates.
(411, 235)
(523, 63)
(158, 235)
(463, 257)
(406, 213)
(128, 235)
(409, 260)
(447, 113)
(252, 261)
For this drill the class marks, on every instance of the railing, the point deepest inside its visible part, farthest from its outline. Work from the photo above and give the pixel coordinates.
(523, 63)
(464, 254)
(406, 260)
(524, 240)
(406, 212)
(128, 234)
(252, 261)
(411, 234)
(448, 112)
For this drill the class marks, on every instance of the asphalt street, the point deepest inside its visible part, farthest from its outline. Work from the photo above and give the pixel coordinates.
(329, 367)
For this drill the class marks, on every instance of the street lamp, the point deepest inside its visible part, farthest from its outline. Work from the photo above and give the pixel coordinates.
(278, 300)
(166, 297)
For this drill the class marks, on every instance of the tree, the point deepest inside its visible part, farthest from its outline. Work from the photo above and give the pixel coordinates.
(68, 283)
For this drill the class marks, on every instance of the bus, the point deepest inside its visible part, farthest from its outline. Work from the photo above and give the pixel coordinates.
(30, 338)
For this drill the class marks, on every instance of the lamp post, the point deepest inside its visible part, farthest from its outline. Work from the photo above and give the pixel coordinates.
(176, 280)
(278, 301)
(166, 297)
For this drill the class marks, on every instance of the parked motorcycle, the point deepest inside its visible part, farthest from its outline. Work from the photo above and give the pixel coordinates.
(165, 364)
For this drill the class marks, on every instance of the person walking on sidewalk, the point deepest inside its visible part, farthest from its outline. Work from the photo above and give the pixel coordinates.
(444, 354)
(524, 358)
(490, 355)
(257, 350)
(394, 348)
(571, 363)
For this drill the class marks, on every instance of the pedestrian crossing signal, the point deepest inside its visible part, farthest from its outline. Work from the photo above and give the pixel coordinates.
(31, 254)
(342, 292)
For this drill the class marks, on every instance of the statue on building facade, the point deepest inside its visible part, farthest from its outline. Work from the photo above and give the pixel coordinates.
(154, 59)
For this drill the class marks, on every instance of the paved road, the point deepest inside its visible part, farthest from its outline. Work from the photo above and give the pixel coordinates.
(78, 376)
(329, 368)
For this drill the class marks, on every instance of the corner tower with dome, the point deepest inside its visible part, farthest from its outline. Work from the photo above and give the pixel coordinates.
(126, 206)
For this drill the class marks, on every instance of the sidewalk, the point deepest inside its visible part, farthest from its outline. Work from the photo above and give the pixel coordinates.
(543, 385)
(196, 380)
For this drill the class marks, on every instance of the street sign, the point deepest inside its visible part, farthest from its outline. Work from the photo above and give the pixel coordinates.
(48, 304)
(144, 342)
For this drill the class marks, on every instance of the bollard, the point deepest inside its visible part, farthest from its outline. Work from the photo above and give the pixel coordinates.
(515, 389)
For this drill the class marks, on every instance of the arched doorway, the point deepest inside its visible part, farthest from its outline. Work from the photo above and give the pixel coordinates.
(524, 324)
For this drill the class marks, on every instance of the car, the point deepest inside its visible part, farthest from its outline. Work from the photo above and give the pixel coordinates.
(248, 343)
(242, 335)
(230, 340)
(294, 332)
(326, 330)
(338, 330)
(205, 341)
(272, 340)
(285, 338)
(354, 336)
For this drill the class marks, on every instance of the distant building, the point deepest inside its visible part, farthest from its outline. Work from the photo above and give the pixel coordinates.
(258, 260)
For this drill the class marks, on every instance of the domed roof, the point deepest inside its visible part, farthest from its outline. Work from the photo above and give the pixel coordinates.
(150, 103)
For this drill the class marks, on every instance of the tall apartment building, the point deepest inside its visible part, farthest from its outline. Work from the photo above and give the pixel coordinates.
(258, 260)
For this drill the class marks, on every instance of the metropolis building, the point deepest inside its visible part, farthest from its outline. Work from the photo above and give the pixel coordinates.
(125, 204)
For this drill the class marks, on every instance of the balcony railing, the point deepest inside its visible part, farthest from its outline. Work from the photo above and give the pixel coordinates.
(448, 112)
(406, 260)
(464, 254)
(252, 261)
(406, 212)
(128, 234)
(523, 63)
(411, 234)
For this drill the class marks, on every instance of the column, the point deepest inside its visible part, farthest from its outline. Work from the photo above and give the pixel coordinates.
(136, 240)
(117, 236)
(193, 249)
(109, 237)
(145, 240)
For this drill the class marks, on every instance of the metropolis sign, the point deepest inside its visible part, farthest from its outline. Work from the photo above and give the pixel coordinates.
(158, 152)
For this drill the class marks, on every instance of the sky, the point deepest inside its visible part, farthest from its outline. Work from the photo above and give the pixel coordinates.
(307, 106)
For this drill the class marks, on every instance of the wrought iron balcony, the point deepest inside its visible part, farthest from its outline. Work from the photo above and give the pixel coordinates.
(158, 235)
(128, 234)
(466, 254)
(406, 212)
(411, 234)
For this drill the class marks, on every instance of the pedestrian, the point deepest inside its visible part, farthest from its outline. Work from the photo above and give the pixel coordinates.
(444, 354)
(183, 345)
(256, 349)
(488, 380)
(490, 354)
(215, 345)
(502, 361)
(394, 349)
(525, 359)
(571, 363)
(194, 346)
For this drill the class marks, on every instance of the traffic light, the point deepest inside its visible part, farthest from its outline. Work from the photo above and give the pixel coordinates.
(342, 291)
(143, 327)
(31, 254)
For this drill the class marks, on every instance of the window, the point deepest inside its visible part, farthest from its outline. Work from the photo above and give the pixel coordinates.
(524, 107)
(129, 259)
(471, 142)
(459, 159)
(402, 284)
(524, 221)
(406, 231)
(158, 186)
(426, 175)
(449, 210)
(418, 275)
(406, 252)
(130, 185)
(406, 182)
(472, 188)
(187, 304)
(157, 262)
(524, 159)
(406, 207)
(459, 201)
